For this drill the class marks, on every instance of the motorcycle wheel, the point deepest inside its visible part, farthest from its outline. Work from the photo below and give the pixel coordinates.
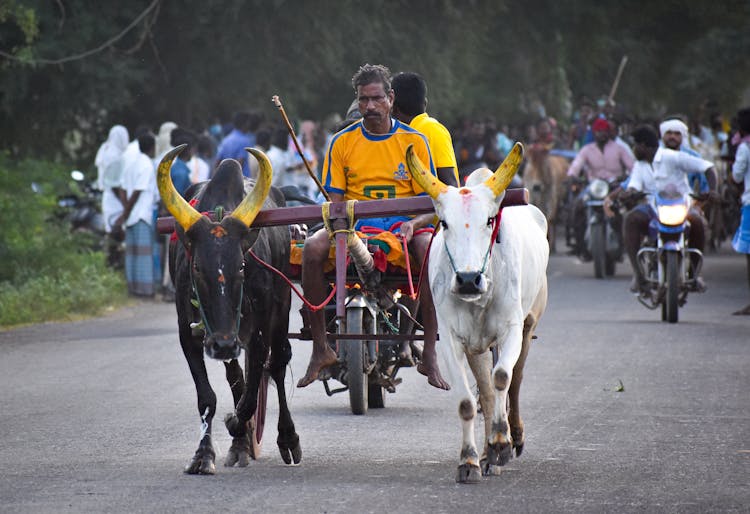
(670, 307)
(598, 251)
(355, 362)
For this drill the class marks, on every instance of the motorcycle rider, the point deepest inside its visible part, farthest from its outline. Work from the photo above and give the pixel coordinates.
(656, 168)
(603, 159)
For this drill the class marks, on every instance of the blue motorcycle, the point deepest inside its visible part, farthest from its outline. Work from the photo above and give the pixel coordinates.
(665, 259)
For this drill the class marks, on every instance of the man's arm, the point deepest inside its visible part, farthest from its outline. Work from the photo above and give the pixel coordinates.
(129, 203)
(741, 164)
(577, 164)
(447, 176)
(409, 227)
(626, 159)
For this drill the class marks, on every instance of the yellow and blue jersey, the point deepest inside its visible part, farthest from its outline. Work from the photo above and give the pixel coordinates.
(364, 166)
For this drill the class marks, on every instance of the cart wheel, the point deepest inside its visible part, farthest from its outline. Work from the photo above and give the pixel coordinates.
(355, 362)
(258, 421)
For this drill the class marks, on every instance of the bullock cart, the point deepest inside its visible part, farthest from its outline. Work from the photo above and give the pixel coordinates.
(367, 321)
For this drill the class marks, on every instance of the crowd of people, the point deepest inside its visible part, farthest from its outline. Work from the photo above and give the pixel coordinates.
(599, 140)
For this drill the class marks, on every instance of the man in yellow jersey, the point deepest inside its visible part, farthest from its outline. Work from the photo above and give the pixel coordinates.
(410, 106)
(366, 161)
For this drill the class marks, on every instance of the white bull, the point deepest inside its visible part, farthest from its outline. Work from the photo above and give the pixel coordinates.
(486, 294)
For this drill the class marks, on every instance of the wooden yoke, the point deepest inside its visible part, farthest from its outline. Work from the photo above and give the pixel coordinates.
(371, 209)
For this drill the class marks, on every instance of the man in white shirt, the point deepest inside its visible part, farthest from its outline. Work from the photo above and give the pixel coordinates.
(138, 186)
(657, 169)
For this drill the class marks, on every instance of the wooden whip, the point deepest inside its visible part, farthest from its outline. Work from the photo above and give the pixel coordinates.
(277, 102)
(616, 83)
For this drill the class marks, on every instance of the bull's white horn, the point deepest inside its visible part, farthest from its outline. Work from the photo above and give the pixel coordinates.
(502, 177)
(251, 204)
(183, 212)
(426, 180)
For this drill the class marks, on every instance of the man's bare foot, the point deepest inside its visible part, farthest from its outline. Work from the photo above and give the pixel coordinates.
(317, 364)
(745, 311)
(404, 355)
(431, 371)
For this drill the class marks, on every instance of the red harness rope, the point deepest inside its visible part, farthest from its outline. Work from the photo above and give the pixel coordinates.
(309, 305)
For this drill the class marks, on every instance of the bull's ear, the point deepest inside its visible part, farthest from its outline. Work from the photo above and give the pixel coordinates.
(249, 240)
(182, 237)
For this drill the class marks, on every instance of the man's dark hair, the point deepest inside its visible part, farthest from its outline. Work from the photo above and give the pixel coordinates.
(280, 138)
(146, 142)
(410, 92)
(142, 129)
(370, 74)
(645, 134)
(743, 120)
(182, 136)
(242, 120)
(263, 138)
(205, 145)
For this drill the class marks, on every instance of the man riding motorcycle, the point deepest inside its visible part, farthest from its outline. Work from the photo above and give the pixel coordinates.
(657, 169)
(603, 159)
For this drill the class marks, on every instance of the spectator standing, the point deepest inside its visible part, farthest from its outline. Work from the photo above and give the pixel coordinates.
(233, 145)
(278, 157)
(163, 139)
(138, 185)
(109, 179)
(198, 163)
(180, 168)
(741, 174)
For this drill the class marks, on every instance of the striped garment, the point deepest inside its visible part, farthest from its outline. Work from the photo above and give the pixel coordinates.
(741, 240)
(139, 259)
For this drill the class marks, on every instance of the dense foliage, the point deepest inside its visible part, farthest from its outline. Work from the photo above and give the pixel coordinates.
(47, 272)
(70, 69)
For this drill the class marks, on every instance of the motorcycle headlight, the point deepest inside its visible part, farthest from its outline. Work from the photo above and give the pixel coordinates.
(672, 215)
(598, 189)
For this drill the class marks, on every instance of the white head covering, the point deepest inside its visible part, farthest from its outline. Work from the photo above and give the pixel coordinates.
(163, 143)
(110, 151)
(674, 125)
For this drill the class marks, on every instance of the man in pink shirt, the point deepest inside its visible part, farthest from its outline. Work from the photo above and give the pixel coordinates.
(603, 159)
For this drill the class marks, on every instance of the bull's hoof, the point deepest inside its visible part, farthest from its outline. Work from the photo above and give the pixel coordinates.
(290, 450)
(468, 474)
(239, 453)
(499, 453)
(489, 469)
(518, 448)
(202, 463)
(234, 426)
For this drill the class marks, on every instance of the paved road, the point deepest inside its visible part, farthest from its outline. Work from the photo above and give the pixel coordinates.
(99, 416)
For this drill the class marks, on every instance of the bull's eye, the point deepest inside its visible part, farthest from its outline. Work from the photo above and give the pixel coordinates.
(443, 225)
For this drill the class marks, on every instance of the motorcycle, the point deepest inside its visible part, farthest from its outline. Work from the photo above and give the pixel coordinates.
(603, 236)
(669, 266)
(81, 208)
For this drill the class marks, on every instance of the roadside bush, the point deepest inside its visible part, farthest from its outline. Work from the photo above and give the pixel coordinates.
(47, 272)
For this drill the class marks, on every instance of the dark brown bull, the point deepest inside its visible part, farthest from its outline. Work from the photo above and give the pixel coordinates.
(543, 176)
(227, 302)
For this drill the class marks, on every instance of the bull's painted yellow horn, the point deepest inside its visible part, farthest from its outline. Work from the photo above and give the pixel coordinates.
(250, 206)
(183, 212)
(499, 180)
(426, 180)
